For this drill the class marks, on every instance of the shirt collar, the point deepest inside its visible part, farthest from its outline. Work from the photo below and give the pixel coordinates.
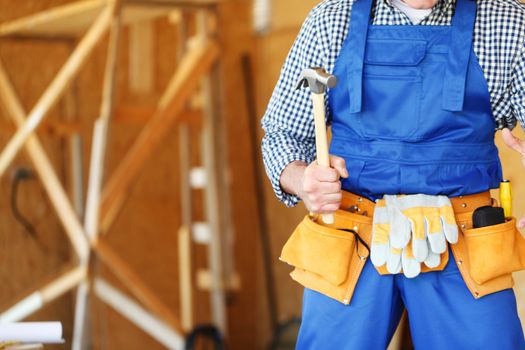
(442, 8)
(441, 4)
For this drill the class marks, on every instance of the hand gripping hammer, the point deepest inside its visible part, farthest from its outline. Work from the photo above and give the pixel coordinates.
(317, 79)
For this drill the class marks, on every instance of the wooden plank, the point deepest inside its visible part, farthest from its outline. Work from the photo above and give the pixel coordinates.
(185, 81)
(71, 20)
(54, 127)
(63, 284)
(141, 57)
(57, 21)
(140, 317)
(44, 295)
(176, 3)
(185, 284)
(54, 189)
(79, 341)
(100, 132)
(131, 114)
(135, 284)
(123, 114)
(56, 88)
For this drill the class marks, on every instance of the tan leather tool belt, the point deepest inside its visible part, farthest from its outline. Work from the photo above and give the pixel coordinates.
(330, 258)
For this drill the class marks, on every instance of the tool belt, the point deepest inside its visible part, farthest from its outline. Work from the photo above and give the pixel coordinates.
(329, 258)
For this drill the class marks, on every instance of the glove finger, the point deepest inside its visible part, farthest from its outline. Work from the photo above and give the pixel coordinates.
(419, 241)
(400, 233)
(436, 239)
(451, 232)
(411, 267)
(433, 260)
(418, 226)
(378, 254)
(437, 243)
(448, 221)
(380, 232)
(433, 220)
(393, 262)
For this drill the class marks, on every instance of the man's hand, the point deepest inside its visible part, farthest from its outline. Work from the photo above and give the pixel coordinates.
(319, 187)
(519, 146)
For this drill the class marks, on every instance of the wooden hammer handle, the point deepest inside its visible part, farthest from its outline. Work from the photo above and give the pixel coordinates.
(321, 141)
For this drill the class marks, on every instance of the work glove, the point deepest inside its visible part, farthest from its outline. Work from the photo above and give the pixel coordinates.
(427, 221)
(381, 251)
(399, 229)
(403, 260)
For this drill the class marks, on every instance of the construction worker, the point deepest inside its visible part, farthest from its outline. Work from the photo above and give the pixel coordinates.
(422, 87)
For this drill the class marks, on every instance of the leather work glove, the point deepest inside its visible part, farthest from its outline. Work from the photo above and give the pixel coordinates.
(428, 221)
(381, 251)
(398, 260)
(403, 260)
(380, 248)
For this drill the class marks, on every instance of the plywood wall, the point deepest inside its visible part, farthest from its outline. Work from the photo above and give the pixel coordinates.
(145, 234)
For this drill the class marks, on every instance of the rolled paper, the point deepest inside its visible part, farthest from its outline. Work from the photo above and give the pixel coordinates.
(32, 332)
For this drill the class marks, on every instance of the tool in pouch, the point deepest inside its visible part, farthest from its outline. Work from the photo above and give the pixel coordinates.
(318, 80)
(491, 215)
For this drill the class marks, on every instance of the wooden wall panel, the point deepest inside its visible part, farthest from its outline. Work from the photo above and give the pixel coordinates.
(28, 263)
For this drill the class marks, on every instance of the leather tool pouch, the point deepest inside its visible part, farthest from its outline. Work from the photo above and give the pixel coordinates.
(329, 258)
(494, 251)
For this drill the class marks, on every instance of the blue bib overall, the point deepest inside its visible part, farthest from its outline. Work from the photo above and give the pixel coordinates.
(412, 114)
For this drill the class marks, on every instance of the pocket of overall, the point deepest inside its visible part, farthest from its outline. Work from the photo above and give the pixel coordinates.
(397, 74)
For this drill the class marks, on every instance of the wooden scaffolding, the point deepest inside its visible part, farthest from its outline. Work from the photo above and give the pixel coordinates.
(192, 95)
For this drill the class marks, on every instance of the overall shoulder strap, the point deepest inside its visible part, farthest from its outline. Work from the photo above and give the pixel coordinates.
(459, 55)
(355, 51)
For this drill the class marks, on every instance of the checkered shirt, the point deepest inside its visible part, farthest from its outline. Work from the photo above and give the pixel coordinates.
(499, 43)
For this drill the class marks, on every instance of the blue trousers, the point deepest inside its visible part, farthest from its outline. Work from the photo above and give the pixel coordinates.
(442, 314)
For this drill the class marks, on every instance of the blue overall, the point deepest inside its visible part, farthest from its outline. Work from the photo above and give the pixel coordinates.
(412, 114)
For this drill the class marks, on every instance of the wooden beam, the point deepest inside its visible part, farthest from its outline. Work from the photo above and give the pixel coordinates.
(141, 57)
(185, 279)
(46, 294)
(100, 131)
(129, 114)
(176, 3)
(71, 20)
(56, 88)
(192, 68)
(143, 319)
(57, 21)
(56, 127)
(54, 189)
(97, 167)
(135, 284)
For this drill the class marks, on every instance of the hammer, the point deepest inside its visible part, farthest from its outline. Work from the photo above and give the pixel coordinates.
(317, 79)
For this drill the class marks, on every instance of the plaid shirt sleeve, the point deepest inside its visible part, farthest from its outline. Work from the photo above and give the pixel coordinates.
(288, 121)
(518, 93)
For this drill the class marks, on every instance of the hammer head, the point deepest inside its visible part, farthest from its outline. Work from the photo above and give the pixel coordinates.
(317, 79)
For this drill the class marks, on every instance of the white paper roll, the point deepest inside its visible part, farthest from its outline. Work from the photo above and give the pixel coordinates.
(32, 332)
